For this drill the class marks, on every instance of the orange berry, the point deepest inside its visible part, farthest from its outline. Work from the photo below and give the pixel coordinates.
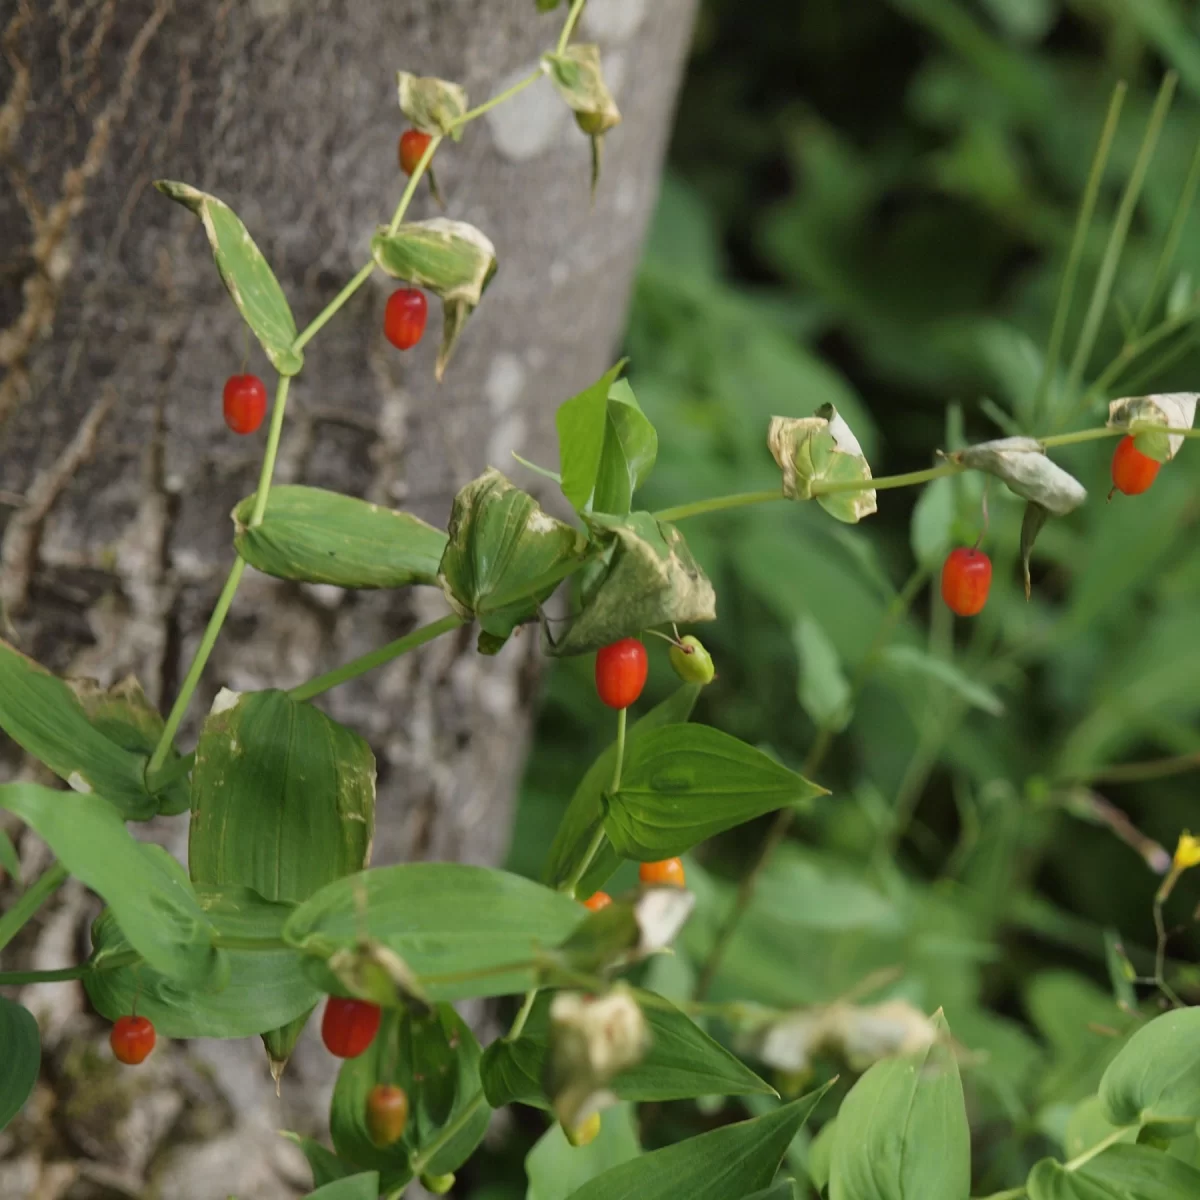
(132, 1039)
(1132, 471)
(966, 581)
(596, 901)
(668, 873)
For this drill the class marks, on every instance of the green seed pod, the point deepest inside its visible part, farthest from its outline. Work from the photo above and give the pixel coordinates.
(439, 1185)
(585, 1132)
(692, 663)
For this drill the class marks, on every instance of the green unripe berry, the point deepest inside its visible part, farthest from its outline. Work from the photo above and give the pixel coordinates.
(593, 123)
(692, 663)
(439, 1185)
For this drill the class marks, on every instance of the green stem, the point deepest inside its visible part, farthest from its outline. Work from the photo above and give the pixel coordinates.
(1082, 435)
(580, 871)
(507, 94)
(569, 28)
(170, 772)
(267, 471)
(411, 190)
(326, 314)
(717, 504)
(830, 487)
(30, 901)
(621, 720)
(421, 1161)
(519, 1020)
(1092, 1151)
(376, 658)
(18, 978)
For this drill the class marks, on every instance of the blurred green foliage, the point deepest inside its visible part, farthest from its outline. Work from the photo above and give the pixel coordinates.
(870, 204)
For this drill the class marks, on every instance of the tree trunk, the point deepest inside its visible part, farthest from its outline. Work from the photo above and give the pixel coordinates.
(118, 473)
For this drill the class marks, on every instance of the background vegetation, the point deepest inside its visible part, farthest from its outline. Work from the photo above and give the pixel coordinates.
(871, 203)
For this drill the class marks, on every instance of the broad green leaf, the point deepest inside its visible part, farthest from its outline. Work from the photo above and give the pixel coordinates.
(325, 1165)
(1156, 1075)
(586, 809)
(505, 555)
(902, 1132)
(555, 1168)
(354, 1187)
(682, 1062)
(630, 448)
(432, 105)
(582, 424)
(649, 578)
(245, 273)
(10, 860)
(913, 663)
(785, 1189)
(267, 988)
(1021, 462)
(148, 892)
(1087, 1126)
(324, 537)
(812, 889)
(44, 716)
(20, 1058)
(932, 532)
(445, 920)
(435, 1059)
(820, 1155)
(683, 784)
(822, 449)
(824, 690)
(731, 1161)
(1120, 1173)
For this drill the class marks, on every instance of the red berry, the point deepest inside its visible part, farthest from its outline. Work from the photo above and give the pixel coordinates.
(668, 873)
(245, 403)
(1132, 471)
(387, 1114)
(132, 1039)
(404, 318)
(596, 901)
(966, 579)
(349, 1026)
(413, 144)
(621, 672)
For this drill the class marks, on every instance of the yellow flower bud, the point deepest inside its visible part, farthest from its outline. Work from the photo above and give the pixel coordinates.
(1187, 853)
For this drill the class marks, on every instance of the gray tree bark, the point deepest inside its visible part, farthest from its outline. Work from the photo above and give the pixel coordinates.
(117, 474)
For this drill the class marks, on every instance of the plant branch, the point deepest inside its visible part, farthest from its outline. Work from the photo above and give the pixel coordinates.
(698, 508)
(34, 896)
(421, 1161)
(830, 487)
(507, 94)
(564, 38)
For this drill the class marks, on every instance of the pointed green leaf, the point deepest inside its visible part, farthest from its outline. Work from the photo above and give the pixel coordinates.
(1120, 1173)
(502, 551)
(785, 1189)
(932, 533)
(245, 273)
(325, 1165)
(445, 920)
(149, 893)
(9, 859)
(432, 105)
(108, 755)
(1156, 1074)
(1021, 463)
(630, 448)
(731, 1161)
(686, 783)
(912, 664)
(555, 1168)
(586, 810)
(364, 1186)
(824, 690)
(650, 578)
(582, 424)
(902, 1132)
(20, 1058)
(317, 536)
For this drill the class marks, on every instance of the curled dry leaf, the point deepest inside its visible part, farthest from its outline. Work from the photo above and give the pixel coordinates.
(1176, 410)
(822, 449)
(432, 105)
(1021, 463)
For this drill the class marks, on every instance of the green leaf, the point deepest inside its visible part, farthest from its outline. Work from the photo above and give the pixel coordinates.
(650, 578)
(630, 449)
(913, 663)
(586, 810)
(324, 537)
(555, 1168)
(245, 273)
(582, 424)
(730, 1161)
(443, 920)
(10, 860)
(686, 783)
(932, 532)
(785, 1189)
(353, 1187)
(267, 988)
(435, 1059)
(432, 105)
(20, 1058)
(325, 1165)
(682, 1062)
(149, 893)
(1120, 1173)
(824, 690)
(822, 449)
(44, 716)
(505, 555)
(1156, 1074)
(902, 1131)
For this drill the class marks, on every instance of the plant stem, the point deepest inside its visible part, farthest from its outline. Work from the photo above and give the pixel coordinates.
(829, 487)
(326, 314)
(621, 720)
(717, 504)
(507, 94)
(267, 471)
(1082, 435)
(519, 1020)
(1092, 1151)
(569, 28)
(30, 901)
(376, 658)
(17, 978)
(451, 1131)
(586, 861)
(411, 190)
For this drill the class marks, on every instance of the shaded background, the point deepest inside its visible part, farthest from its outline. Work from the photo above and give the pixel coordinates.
(870, 204)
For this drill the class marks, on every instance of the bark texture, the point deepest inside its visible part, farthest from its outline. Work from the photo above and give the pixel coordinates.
(117, 474)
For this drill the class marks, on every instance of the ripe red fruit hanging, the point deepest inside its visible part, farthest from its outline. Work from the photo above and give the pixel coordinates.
(966, 580)
(621, 672)
(668, 873)
(349, 1026)
(596, 901)
(132, 1039)
(1132, 471)
(413, 144)
(245, 402)
(404, 318)
(387, 1114)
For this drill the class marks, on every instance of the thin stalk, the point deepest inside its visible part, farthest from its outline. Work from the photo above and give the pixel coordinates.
(621, 721)
(1099, 1148)
(376, 658)
(19, 978)
(830, 487)
(30, 901)
(564, 38)
(421, 1161)
(1083, 223)
(267, 471)
(411, 190)
(580, 871)
(1139, 772)
(522, 1016)
(1082, 435)
(507, 94)
(717, 504)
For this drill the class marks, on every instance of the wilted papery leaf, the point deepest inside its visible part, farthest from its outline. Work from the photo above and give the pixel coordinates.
(822, 449)
(371, 971)
(1176, 410)
(661, 913)
(1031, 525)
(452, 259)
(1021, 463)
(432, 105)
(578, 78)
